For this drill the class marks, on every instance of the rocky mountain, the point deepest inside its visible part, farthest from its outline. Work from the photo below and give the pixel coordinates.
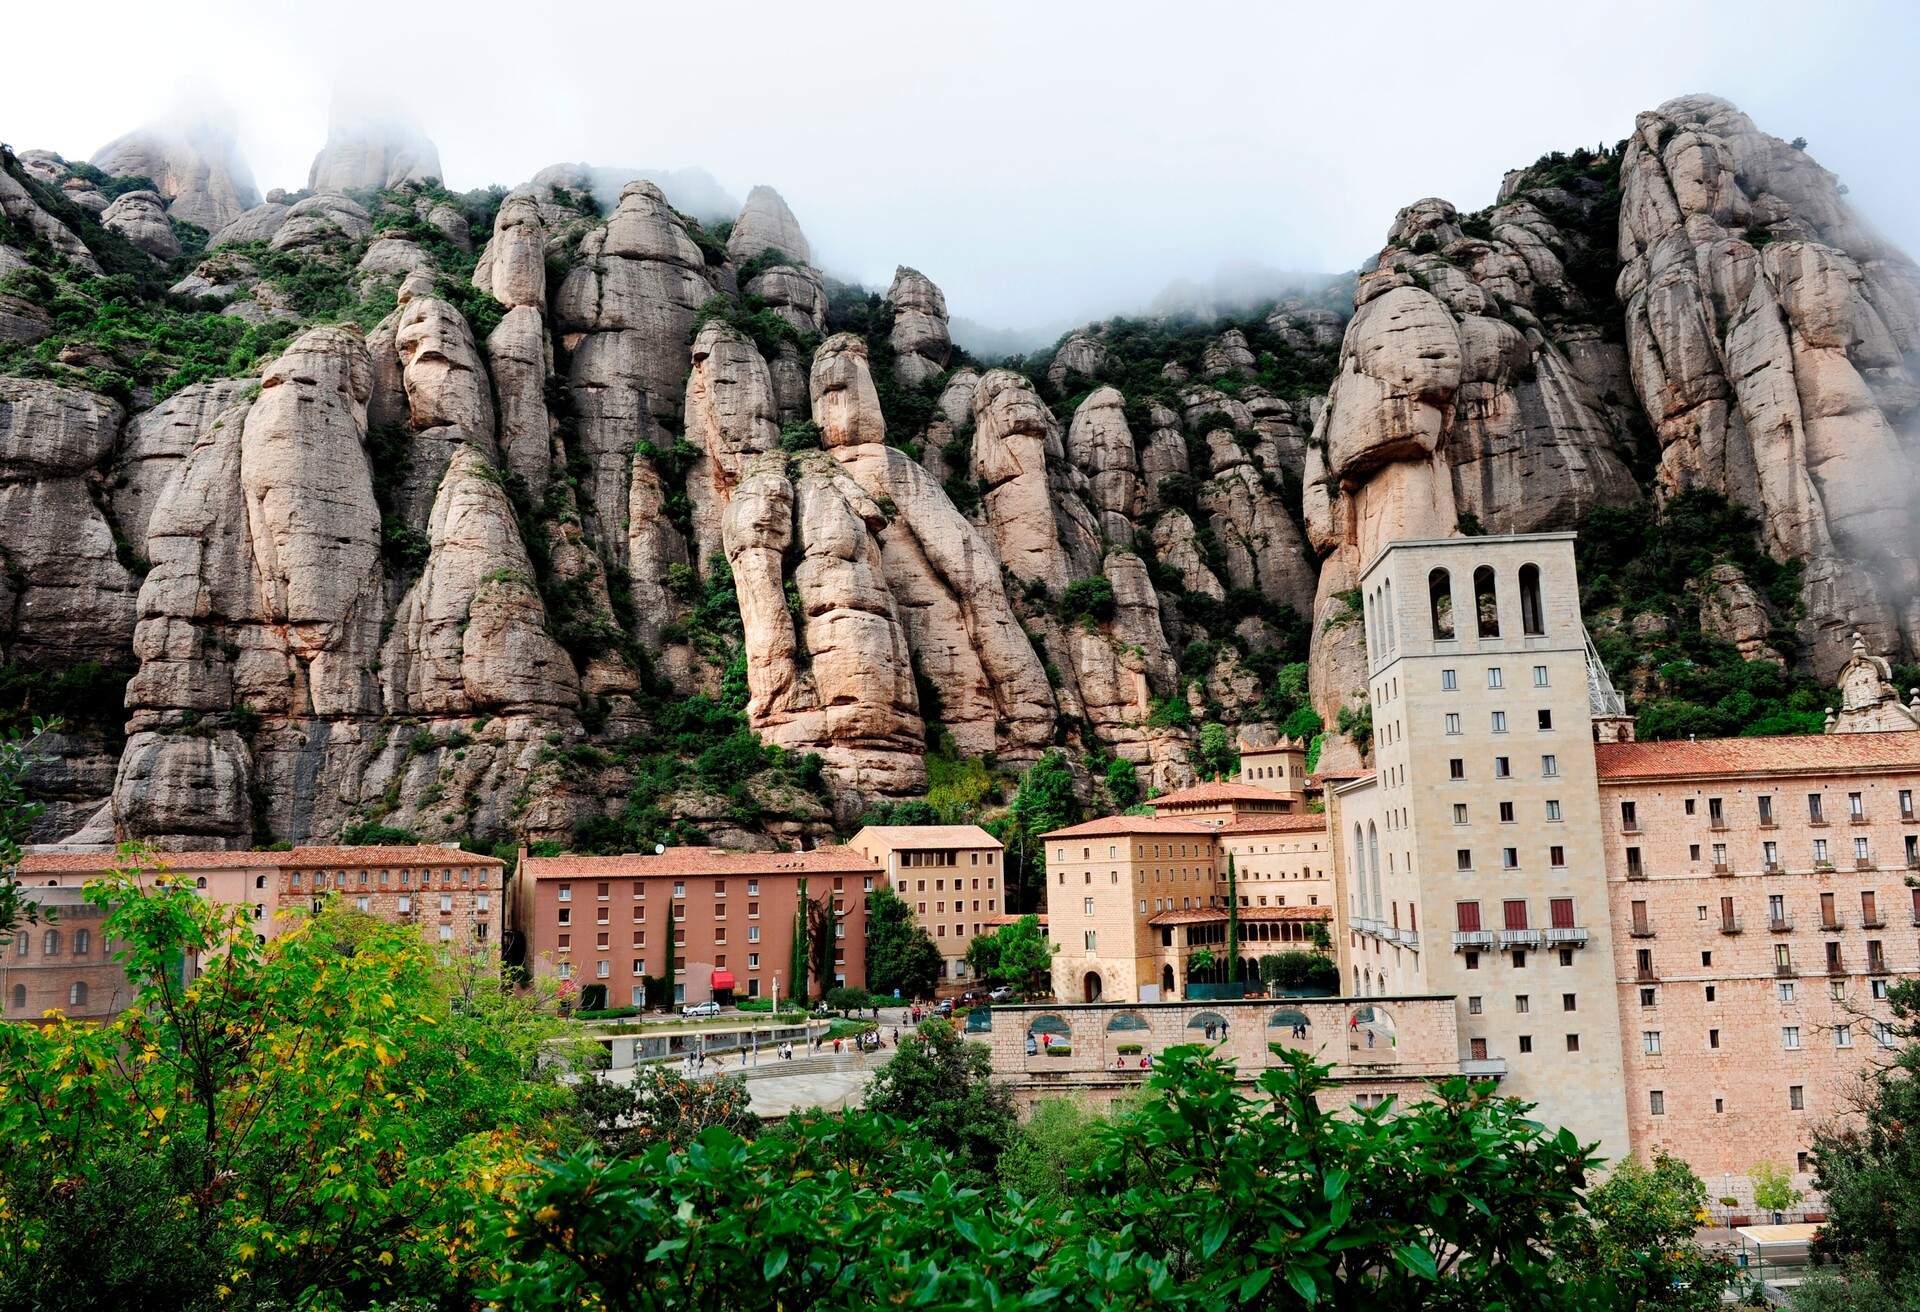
(563, 514)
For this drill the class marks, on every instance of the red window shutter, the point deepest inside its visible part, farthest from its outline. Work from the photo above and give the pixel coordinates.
(1562, 908)
(1469, 915)
(1514, 912)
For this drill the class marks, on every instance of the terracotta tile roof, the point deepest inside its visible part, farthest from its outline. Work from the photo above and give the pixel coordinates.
(1013, 917)
(1211, 914)
(301, 858)
(699, 861)
(1324, 777)
(1217, 791)
(1291, 823)
(1832, 753)
(1114, 826)
(899, 836)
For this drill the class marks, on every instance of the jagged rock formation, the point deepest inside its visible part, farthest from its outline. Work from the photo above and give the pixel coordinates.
(371, 152)
(467, 563)
(197, 169)
(766, 224)
(141, 217)
(920, 338)
(1771, 335)
(1473, 387)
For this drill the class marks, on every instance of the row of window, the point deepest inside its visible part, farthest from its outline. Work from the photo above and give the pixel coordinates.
(1543, 721)
(50, 943)
(1778, 917)
(1835, 954)
(466, 876)
(939, 885)
(1820, 852)
(912, 859)
(76, 995)
(1652, 1041)
(1496, 678)
(1765, 812)
(1513, 914)
(1786, 990)
(1503, 767)
(603, 915)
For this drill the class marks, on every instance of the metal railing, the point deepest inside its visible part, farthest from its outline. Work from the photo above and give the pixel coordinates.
(1472, 939)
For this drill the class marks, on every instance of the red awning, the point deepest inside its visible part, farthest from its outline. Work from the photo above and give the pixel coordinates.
(722, 979)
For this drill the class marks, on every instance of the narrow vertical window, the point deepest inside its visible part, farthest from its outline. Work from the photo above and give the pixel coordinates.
(1533, 617)
(1486, 606)
(1440, 603)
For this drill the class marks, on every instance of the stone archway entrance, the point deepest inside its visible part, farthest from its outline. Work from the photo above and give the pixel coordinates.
(1092, 986)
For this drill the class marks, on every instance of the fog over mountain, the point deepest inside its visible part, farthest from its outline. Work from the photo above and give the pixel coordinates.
(1082, 159)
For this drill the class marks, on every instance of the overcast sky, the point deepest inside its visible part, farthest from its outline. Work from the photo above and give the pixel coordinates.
(1043, 162)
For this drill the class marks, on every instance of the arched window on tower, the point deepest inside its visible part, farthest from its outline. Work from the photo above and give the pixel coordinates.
(1485, 605)
(1393, 621)
(1440, 603)
(1533, 616)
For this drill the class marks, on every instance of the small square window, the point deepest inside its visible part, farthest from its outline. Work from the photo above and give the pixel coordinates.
(1502, 768)
(1546, 719)
(1573, 1043)
(1495, 678)
(1449, 680)
(1473, 1005)
(1656, 1102)
(1506, 813)
(1539, 676)
(1796, 1097)
(1456, 768)
(1463, 858)
(1568, 1002)
(1526, 1043)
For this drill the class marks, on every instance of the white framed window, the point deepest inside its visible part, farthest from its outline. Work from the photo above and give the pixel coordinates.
(1843, 1036)
(1786, 990)
(1499, 721)
(1496, 678)
(1449, 680)
(1540, 676)
(446, 933)
(483, 902)
(446, 901)
(406, 903)
(1650, 1042)
(1453, 722)
(1790, 1037)
(1553, 808)
(1549, 766)
(566, 892)
(1460, 813)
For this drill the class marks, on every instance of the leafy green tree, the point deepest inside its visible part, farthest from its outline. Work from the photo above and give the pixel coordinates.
(308, 1121)
(1052, 1150)
(1773, 1189)
(1233, 922)
(1044, 801)
(1019, 954)
(945, 1085)
(1200, 962)
(901, 955)
(17, 814)
(823, 919)
(1868, 1169)
(660, 1105)
(1300, 970)
(797, 961)
(1642, 1242)
(1215, 755)
(1200, 1197)
(846, 998)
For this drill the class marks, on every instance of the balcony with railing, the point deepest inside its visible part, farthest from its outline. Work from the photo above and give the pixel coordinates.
(1645, 974)
(1730, 925)
(1832, 924)
(1877, 964)
(1784, 969)
(1781, 924)
(1519, 938)
(1567, 936)
(1722, 869)
(1472, 940)
(1641, 929)
(1836, 964)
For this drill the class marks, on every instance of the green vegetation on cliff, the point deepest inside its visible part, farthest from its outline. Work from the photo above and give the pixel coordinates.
(1644, 577)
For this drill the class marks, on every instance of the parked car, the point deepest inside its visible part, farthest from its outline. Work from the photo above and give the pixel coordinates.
(1001, 994)
(944, 1007)
(701, 1009)
(973, 997)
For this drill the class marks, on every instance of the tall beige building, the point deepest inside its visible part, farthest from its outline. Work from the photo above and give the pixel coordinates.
(1473, 857)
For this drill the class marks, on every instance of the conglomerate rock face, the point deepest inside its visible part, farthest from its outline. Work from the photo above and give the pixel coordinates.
(1772, 337)
(444, 559)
